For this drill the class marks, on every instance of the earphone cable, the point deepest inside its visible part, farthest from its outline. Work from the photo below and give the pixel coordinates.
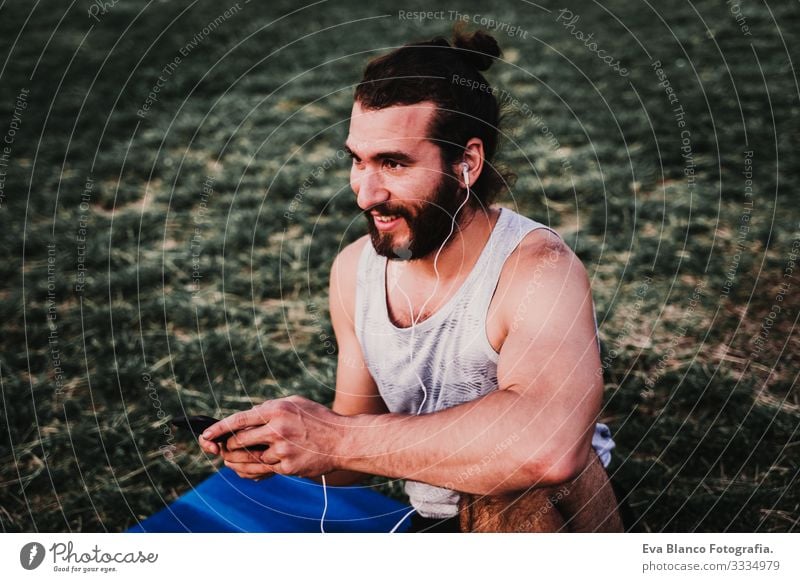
(414, 322)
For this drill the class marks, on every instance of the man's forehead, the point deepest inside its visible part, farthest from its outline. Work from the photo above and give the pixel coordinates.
(400, 126)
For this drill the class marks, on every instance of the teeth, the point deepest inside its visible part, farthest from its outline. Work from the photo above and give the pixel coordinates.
(385, 218)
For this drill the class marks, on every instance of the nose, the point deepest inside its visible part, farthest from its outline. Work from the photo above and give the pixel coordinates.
(369, 188)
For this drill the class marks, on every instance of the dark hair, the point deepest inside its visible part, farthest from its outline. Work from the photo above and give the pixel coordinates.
(449, 75)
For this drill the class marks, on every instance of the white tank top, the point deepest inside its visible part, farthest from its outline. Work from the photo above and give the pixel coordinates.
(451, 353)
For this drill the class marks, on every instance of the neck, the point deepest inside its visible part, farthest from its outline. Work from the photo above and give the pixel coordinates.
(461, 250)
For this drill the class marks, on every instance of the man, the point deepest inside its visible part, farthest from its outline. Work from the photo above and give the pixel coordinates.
(468, 356)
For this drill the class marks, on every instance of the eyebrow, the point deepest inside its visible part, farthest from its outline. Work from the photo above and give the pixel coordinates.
(396, 155)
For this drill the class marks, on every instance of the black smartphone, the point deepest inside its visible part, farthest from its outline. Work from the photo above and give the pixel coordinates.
(197, 424)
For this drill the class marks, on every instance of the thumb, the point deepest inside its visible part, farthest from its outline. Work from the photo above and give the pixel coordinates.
(209, 447)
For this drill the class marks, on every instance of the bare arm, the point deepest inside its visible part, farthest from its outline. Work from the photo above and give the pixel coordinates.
(356, 391)
(536, 428)
(356, 394)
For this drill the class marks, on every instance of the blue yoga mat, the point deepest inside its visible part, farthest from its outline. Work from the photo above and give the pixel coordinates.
(226, 502)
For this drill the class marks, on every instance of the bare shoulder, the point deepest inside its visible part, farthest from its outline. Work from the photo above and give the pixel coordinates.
(346, 262)
(541, 273)
(343, 277)
(542, 257)
(541, 241)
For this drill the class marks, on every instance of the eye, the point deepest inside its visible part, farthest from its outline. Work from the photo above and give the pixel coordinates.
(392, 164)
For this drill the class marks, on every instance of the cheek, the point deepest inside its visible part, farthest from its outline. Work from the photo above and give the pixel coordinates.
(424, 181)
(409, 187)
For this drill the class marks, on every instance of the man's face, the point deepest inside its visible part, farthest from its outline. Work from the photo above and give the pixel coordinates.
(409, 199)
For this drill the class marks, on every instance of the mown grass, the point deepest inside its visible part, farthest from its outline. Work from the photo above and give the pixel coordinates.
(705, 416)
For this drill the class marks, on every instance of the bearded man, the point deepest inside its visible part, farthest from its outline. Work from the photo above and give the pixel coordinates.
(468, 359)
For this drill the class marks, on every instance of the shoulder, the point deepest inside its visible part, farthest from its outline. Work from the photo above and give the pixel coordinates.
(542, 256)
(343, 276)
(345, 264)
(541, 273)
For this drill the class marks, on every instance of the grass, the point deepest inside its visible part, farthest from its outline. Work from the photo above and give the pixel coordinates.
(705, 414)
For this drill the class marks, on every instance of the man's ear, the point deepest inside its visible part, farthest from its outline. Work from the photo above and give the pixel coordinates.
(473, 157)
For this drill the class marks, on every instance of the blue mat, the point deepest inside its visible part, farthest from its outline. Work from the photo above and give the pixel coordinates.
(227, 503)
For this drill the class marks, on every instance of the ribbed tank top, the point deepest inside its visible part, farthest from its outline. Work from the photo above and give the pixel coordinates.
(451, 354)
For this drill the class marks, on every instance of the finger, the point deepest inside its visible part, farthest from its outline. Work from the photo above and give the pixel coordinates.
(253, 476)
(257, 416)
(269, 458)
(252, 469)
(252, 438)
(242, 456)
(208, 446)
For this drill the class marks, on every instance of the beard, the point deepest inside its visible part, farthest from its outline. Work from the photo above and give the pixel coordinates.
(428, 222)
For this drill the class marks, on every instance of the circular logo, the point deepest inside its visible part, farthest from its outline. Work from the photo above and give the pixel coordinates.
(31, 555)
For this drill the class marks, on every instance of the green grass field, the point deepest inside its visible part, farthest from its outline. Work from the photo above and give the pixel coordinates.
(161, 253)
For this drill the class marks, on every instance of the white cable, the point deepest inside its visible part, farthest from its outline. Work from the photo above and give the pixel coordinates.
(325, 507)
(414, 322)
(394, 529)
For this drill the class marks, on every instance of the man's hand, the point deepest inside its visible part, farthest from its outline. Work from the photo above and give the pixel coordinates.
(301, 436)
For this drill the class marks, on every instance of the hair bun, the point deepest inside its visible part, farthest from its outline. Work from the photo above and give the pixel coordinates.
(480, 48)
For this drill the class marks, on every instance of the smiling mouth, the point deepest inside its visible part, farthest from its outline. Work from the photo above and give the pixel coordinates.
(385, 222)
(387, 218)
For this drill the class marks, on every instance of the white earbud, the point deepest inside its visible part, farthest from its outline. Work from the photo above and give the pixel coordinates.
(465, 172)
